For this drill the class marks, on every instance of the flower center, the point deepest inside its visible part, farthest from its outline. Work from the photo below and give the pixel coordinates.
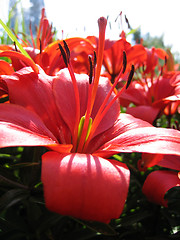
(85, 127)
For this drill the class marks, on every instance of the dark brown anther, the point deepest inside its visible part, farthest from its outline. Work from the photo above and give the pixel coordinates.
(90, 70)
(161, 72)
(63, 53)
(67, 50)
(127, 21)
(165, 60)
(15, 46)
(124, 62)
(95, 59)
(131, 74)
(40, 45)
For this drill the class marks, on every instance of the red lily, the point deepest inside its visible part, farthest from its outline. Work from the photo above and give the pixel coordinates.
(152, 60)
(44, 37)
(113, 56)
(150, 100)
(159, 182)
(78, 118)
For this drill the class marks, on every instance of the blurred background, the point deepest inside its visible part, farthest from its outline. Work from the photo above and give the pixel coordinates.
(153, 19)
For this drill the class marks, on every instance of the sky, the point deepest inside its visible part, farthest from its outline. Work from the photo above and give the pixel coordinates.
(159, 17)
(79, 17)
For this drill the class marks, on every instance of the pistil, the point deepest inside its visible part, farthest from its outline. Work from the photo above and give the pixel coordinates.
(104, 108)
(93, 83)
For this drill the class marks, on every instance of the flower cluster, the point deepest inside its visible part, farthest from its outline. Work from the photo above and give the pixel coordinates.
(62, 99)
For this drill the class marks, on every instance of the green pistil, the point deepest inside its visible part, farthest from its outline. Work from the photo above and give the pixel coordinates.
(152, 98)
(80, 128)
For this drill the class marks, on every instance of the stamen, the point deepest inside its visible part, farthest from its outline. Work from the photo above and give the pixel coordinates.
(67, 50)
(90, 70)
(102, 22)
(131, 74)
(32, 38)
(15, 47)
(161, 71)
(104, 109)
(95, 59)
(87, 119)
(124, 62)
(40, 45)
(63, 53)
(127, 21)
(66, 57)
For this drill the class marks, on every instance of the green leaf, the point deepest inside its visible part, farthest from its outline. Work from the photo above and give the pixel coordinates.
(12, 197)
(98, 227)
(14, 39)
(133, 31)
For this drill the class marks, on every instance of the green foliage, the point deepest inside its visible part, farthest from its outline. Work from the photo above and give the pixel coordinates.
(14, 39)
(5, 38)
(23, 215)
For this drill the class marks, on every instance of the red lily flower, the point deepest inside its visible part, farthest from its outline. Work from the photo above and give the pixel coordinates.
(80, 48)
(78, 118)
(159, 182)
(113, 56)
(44, 37)
(5, 68)
(152, 60)
(151, 102)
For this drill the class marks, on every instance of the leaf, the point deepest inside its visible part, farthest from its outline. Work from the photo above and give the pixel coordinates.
(99, 227)
(12, 197)
(131, 219)
(22, 165)
(14, 39)
(133, 31)
(173, 197)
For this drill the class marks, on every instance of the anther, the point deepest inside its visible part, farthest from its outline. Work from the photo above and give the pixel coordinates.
(95, 59)
(161, 72)
(130, 76)
(90, 70)
(15, 46)
(124, 62)
(63, 53)
(67, 50)
(127, 21)
(165, 60)
(40, 45)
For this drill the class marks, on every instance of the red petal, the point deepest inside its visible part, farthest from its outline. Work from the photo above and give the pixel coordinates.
(65, 99)
(22, 127)
(149, 160)
(124, 123)
(113, 56)
(84, 186)
(5, 68)
(34, 91)
(142, 139)
(170, 161)
(146, 113)
(158, 183)
(76, 45)
(20, 56)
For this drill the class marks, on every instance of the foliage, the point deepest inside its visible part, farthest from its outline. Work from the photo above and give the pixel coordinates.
(24, 216)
